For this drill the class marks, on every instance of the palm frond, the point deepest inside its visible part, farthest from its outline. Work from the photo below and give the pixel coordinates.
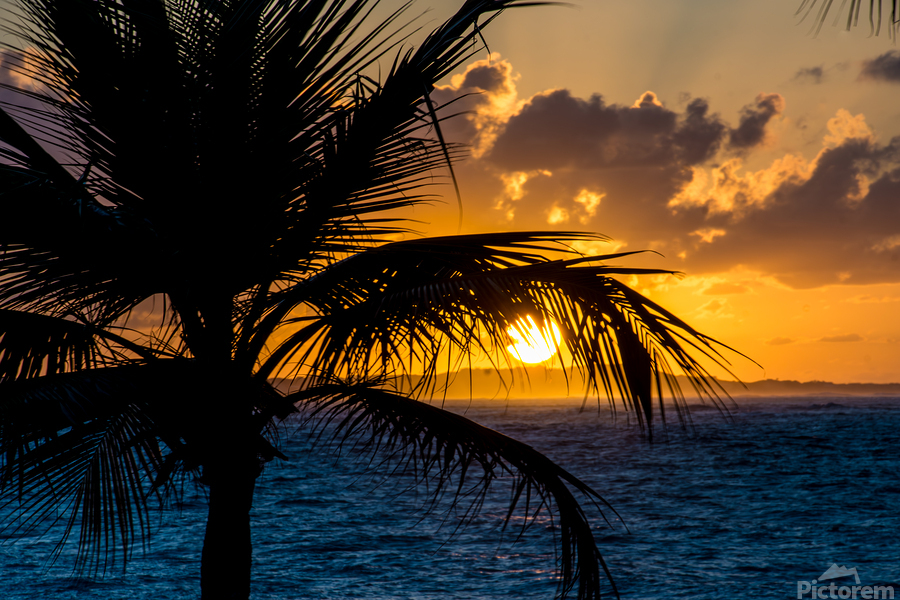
(94, 472)
(56, 256)
(32, 345)
(213, 94)
(334, 286)
(82, 444)
(99, 444)
(459, 457)
(876, 14)
(401, 308)
(239, 161)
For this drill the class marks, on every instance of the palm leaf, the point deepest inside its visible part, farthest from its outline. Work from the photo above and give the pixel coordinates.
(460, 457)
(400, 308)
(92, 472)
(238, 159)
(56, 254)
(820, 10)
(99, 444)
(81, 443)
(32, 345)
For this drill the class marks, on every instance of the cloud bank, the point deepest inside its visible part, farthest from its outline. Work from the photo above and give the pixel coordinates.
(883, 68)
(810, 74)
(673, 179)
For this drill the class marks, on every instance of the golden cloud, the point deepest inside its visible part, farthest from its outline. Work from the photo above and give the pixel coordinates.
(589, 201)
(492, 83)
(557, 215)
(671, 181)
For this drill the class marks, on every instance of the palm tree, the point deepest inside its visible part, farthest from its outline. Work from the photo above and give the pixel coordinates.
(234, 165)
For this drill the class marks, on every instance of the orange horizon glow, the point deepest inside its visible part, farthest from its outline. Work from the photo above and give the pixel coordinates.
(787, 228)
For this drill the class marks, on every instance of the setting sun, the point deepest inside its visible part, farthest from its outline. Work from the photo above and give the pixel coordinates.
(533, 344)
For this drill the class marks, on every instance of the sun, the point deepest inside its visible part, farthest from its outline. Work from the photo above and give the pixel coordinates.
(533, 344)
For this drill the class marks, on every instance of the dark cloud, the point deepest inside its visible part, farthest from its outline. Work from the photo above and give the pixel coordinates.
(850, 337)
(839, 224)
(752, 128)
(834, 219)
(699, 136)
(668, 180)
(487, 77)
(812, 74)
(779, 341)
(556, 130)
(718, 289)
(485, 93)
(882, 68)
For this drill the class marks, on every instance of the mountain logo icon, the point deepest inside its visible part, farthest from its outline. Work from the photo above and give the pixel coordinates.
(835, 572)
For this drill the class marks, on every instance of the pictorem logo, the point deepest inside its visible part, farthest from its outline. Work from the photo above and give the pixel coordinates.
(836, 582)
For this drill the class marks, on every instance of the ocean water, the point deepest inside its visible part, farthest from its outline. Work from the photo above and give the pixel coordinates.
(733, 509)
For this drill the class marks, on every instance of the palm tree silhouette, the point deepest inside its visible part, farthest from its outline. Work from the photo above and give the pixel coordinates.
(237, 163)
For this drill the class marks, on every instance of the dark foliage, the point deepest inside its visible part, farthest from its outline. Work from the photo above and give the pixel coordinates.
(232, 165)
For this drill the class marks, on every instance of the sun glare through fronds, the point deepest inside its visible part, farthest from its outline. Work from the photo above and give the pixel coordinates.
(531, 343)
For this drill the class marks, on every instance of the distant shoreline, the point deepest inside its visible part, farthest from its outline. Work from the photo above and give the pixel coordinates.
(775, 387)
(694, 406)
(538, 383)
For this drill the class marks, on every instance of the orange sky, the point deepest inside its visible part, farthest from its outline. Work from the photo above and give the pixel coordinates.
(754, 157)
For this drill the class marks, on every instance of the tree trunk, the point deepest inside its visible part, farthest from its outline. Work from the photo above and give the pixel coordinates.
(227, 549)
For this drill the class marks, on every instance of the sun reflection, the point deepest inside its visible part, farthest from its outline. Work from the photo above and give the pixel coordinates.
(533, 344)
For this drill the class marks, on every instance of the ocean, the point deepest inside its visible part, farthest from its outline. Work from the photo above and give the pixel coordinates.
(755, 507)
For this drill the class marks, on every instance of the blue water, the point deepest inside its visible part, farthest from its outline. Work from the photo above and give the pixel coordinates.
(739, 509)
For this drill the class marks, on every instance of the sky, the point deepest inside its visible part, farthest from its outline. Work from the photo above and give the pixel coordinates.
(755, 158)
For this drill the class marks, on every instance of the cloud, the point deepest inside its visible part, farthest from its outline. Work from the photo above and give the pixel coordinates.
(833, 219)
(589, 201)
(7, 64)
(17, 86)
(779, 341)
(700, 134)
(811, 74)
(844, 127)
(714, 309)
(486, 93)
(16, 67)
(557, 215)
(728, 189)
(872, 299)
(668, 179)
(850, 337)
(487, 76)
(555, 130)
(718, 289)
(754, 118)
(882, 68)
(708, 234)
